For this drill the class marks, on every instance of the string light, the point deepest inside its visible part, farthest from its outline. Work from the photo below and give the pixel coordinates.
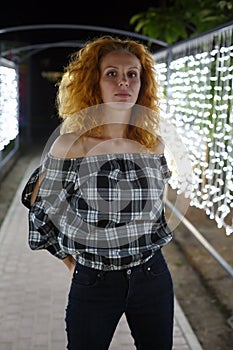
(197, 91)
(9, 127)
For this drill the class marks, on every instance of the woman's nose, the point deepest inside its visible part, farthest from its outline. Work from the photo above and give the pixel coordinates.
(123, 81)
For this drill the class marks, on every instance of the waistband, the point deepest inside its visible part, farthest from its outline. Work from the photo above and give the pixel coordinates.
(146, 264)
(128, 270)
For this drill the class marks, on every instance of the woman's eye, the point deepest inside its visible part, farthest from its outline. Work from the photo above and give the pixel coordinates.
(111, 74)
(114, 74)
(132, 74)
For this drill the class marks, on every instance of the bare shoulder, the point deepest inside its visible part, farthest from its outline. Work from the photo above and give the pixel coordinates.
(67, 146)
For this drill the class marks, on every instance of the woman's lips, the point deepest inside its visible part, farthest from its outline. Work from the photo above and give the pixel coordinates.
(122, 94)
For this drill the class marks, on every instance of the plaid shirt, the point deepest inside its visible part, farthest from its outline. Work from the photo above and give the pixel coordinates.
(106, 210)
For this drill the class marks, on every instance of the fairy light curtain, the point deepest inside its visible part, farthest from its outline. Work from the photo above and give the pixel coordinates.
(196, 79)
(9, 124)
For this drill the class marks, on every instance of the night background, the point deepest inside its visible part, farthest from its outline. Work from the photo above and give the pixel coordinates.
(39, 67)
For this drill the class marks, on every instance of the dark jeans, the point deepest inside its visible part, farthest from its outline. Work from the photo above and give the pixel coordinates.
(97, 300)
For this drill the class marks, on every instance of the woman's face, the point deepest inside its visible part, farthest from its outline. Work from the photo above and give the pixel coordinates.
(120, 77)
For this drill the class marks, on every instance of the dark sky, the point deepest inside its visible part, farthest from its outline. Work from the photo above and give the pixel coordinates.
(113, 14)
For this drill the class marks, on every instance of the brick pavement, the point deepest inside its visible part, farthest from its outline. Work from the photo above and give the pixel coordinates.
(33, 293)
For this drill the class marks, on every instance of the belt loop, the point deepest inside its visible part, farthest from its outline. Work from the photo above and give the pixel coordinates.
(147, 264)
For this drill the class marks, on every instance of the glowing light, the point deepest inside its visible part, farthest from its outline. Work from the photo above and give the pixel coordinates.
(9, 127)
(198, 94)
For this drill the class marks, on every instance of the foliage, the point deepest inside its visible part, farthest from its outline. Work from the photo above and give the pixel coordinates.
(175, 20)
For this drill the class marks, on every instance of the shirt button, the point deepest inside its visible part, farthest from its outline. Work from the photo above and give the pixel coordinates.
(128, 272)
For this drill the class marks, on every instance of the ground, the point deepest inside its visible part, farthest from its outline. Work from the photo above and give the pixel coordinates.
(202, 287)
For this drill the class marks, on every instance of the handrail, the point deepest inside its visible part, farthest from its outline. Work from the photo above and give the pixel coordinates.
(201, 239)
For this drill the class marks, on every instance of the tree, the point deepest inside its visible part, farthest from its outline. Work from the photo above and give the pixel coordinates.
(176, 20)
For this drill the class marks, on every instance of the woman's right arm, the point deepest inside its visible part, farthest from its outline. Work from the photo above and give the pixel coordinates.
(36, 188)
(69, 261)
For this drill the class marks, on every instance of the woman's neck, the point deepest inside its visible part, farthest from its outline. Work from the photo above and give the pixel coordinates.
(115, 131)
(116, 122)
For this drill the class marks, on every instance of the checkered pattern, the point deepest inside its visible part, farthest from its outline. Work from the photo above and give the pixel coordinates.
(106, 210)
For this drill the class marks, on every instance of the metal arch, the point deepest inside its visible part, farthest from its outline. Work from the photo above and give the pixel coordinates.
(82, 27)
(35, 48)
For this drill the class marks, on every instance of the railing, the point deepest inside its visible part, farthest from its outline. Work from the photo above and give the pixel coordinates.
(201, 239)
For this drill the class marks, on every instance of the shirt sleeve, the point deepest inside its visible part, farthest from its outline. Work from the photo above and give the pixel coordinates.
(29, 187)
(43, 234)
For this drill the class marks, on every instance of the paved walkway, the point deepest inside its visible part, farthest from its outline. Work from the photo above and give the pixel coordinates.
(33, 293)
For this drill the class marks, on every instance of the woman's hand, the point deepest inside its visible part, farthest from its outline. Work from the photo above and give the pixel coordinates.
(70, 262)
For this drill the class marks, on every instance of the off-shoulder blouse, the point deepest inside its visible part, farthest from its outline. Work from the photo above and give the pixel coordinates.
(106, 210)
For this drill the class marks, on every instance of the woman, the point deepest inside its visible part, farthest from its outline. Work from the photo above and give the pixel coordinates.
(96, 201)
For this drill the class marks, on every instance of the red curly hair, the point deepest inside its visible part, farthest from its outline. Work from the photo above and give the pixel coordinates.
(79, 87)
